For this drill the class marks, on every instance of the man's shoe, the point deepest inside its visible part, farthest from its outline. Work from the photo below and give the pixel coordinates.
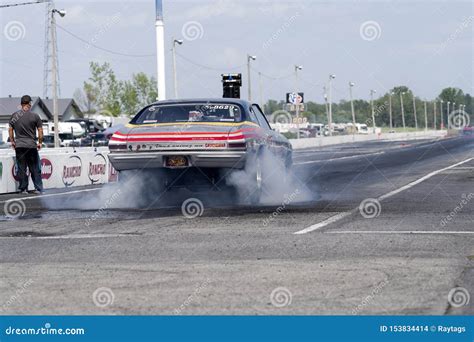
(22, 192)
(35, 192)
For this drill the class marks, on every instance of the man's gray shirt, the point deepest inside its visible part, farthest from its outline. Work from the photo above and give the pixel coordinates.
(25, 124)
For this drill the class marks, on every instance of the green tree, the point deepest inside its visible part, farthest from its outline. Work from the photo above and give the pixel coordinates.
(145, 88)
(129, 98)
(452, 95)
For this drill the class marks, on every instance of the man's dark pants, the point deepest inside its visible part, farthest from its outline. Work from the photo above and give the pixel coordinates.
(28, 157)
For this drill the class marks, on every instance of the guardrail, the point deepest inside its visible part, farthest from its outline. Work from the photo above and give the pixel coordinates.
(61, 167)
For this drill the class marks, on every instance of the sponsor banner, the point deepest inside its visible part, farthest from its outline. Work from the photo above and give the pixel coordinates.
(61, 168)
(294, 98)
(72, 170)
(97, 172)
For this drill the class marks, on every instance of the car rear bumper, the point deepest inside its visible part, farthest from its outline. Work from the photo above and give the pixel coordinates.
(151, 160)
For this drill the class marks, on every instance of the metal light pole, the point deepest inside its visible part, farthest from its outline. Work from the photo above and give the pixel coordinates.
(447, 114)
(351, 84)
(175, 76)
(426, 117)
(403, 110)
(390, 108)
(249, 58)
(414, 111)
(372, 92)
(326, 103)
(297, 67)
(434, 115)
(61, 13)
(260, 89)
(441, 113)
(331, 77)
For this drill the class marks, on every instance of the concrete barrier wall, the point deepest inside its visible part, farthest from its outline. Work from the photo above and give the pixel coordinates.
(60, 168)
(66, 167)
(344, 139)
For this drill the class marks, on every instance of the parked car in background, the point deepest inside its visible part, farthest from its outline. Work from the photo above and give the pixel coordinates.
(89, 125)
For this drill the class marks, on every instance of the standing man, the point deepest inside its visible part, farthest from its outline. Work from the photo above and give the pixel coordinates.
(24, 123)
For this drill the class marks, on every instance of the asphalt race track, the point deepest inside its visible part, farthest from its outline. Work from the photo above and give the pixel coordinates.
(382, 228)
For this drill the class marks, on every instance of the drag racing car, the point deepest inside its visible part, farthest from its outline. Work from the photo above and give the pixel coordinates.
(201, 142)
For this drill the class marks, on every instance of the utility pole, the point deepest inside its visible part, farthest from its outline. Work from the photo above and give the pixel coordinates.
(62, 13)
(403, 110)
(326, 103)
(414, 111)
(175, 76)
(441, 113)
(249, 58)
(372, 92)
(351, 84)
(331, 77)
(426, 117)
(297, 107)
(390, 108)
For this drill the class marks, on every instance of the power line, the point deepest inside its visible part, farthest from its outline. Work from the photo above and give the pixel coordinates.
(101, 48)
(208, 67)
(23, 3)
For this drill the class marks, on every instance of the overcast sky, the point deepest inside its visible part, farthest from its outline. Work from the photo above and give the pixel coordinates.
(426, 45)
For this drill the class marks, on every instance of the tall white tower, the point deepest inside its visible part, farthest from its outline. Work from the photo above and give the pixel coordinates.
(160, 51)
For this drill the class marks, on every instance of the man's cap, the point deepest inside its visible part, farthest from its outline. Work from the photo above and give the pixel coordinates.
(25, 99)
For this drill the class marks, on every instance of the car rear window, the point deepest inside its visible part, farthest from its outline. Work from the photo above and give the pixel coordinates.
(204, 112)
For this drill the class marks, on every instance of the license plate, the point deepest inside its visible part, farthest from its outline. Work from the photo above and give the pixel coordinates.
(176, 161)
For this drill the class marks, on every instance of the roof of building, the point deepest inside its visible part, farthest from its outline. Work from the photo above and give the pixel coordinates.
(63, 106)
(9, 105)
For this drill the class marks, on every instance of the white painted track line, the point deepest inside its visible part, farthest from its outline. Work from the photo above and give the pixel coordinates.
(422, 179)
(439, 232)
(70, 236)
(342, 215)
(324, 223)
(49, 195)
